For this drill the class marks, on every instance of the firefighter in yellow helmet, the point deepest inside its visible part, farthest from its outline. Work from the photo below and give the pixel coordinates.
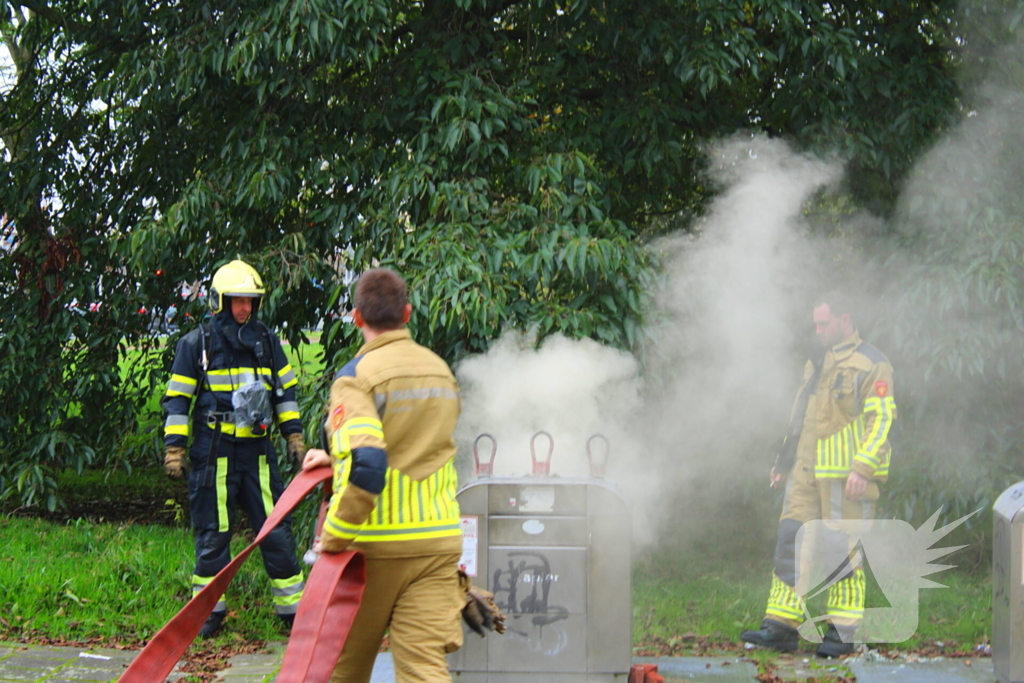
(391, 426)
(834, 456)
(230, 382)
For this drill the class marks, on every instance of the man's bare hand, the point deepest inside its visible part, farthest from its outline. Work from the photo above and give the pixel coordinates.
(855, 486)
(774, 479)
(316, 457)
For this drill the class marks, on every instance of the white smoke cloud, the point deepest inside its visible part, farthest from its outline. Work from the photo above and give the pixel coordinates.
(720, 355)
(569, 389)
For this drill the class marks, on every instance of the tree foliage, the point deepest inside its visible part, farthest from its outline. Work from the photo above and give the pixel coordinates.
(510, 157)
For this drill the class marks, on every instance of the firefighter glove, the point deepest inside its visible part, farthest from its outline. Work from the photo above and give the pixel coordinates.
(296, 447)
(174, 462)
(480, 612)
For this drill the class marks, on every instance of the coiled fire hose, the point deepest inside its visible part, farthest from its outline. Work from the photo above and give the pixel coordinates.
(328, 607)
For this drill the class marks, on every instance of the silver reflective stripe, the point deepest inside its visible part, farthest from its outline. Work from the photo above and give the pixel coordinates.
(290, 590)
(287, 407)
(237, 376)
(176, 420)
(400, 532)
(286, 609)
(287, 377)
(381, 401)
(837, 498)
(181, 387)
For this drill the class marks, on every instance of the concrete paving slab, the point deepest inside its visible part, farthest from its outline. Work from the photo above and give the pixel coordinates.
(55, 664)
(940, 671)
(52, 664)
(702, 669)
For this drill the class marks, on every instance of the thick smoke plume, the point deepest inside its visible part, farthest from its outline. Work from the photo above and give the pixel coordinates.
(719, 369)
(696, 419)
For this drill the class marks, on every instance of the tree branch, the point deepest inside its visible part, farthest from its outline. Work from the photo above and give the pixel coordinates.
(46, 12)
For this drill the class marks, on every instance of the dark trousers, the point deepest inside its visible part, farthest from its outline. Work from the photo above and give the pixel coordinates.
(245, 475)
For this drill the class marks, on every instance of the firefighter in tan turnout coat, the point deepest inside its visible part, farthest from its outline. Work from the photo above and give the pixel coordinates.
(390, 426)
(841, 422)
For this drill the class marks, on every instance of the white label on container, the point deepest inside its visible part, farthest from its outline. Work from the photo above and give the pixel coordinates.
(470, 541)
(533, 527)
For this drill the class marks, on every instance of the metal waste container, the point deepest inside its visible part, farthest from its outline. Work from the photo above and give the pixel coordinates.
(1008, 586)
(555, 551)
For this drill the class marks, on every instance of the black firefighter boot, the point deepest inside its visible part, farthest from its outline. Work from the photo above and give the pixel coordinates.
(836, 643)
(288, 620)
(773, 634)
(212, 625)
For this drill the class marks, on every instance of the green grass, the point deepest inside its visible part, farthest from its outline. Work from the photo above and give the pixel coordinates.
(82, 581)
(682, 604)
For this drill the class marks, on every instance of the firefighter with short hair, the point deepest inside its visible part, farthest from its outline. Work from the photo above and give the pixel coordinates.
(230, 381)
(835, 455)
(390, 426)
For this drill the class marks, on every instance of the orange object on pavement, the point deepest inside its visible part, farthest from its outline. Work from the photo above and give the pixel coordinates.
(335, 589)
(645, 673)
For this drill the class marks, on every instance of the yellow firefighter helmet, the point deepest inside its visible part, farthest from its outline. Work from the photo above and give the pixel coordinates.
(237, 278)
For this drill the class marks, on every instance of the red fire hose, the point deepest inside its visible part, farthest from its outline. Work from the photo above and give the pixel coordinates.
(328, 607)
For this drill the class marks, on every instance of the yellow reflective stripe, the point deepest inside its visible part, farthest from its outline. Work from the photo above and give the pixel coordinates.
(834, 452)
(379, 535)
(339, 445)
(223, 523)
(286, 583)
(286, 410)
(287, 377)
(287, 599)
(241, 432)
(784, 602)
(229, 379)
(339, 528)
(201, 582)
(367, 426)
(883, 408)
(180, 385)
(268, 498)
(333, 524)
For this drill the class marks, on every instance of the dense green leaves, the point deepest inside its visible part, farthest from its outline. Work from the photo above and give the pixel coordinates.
(512, 158)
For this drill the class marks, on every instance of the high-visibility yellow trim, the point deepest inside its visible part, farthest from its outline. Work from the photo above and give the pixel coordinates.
(339, 445)
(230, 379)
(884, 408)
(287, 599)
(241, 432)
(846, 597)
(284, 417)
(223, 523)
(339, 528)
(287, 583)
(783, 602)
(268, 498)
(287, 377)
(181, 385)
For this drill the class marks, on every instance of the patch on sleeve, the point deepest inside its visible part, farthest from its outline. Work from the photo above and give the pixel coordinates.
(881, 387)
(338, 417)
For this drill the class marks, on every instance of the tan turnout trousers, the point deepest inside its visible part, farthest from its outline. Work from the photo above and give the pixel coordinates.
(419, 599)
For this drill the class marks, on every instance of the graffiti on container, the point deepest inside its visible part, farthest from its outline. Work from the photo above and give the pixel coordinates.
(522, 591)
